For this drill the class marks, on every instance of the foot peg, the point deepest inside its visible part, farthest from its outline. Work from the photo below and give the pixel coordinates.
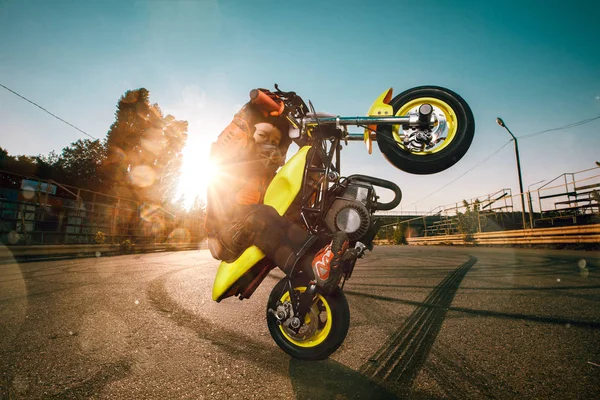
(356, 252)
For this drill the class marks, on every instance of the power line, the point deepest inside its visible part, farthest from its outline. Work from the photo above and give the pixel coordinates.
(463, 174)
(573, 125)
(42, 108)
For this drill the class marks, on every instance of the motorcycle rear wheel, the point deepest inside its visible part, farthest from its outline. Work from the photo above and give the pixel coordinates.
(325, 325)
(459, 130)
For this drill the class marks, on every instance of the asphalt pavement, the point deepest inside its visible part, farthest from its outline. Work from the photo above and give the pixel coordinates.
(426, 323)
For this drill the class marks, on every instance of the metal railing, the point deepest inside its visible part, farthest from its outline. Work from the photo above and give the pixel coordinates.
(45, 212)
(561, 235)
(569, 199)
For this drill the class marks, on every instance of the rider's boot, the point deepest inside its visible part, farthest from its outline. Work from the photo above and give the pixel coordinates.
(326, 265)
(293, 249)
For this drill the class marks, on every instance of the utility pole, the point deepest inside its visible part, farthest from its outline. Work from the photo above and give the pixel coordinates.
(500, 122)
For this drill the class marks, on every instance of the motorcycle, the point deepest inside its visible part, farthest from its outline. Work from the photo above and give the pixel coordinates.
(423, 130)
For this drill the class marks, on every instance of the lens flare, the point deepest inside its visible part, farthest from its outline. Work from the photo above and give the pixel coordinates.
(180, 235)
(13, 237)
(28, 193)
(142, 175)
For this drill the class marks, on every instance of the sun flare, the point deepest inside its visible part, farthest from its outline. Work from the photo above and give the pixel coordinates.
(206, 121)
(196, 172)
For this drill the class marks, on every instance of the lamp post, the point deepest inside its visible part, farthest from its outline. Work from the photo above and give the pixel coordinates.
(500, 122)
(529, 200)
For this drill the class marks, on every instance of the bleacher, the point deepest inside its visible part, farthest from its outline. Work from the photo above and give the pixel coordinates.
(571, 201)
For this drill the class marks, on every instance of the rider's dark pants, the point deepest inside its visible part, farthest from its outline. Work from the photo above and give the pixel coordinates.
(282, 241)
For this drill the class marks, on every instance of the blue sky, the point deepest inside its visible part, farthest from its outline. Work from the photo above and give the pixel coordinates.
(534, 63)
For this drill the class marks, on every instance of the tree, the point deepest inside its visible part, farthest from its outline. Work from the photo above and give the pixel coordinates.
(595, 195)
(400, 233)
(81, 164)
(24, 165)
(51, 159)
(3, 154)
(144, 149)
(467, 223)
(49, 167)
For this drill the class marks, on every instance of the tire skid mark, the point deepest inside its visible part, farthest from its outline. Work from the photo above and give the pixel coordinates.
(398, 362)
(375, 260)
(483, 289)
(449, 369)
(485, 313)
(230, 341)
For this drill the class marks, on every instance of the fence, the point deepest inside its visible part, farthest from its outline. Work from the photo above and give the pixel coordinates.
(560, 235)
(569, 199)
(34, 211)
(12, 253)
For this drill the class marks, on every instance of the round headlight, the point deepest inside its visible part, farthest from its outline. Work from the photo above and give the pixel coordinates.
(348, 220)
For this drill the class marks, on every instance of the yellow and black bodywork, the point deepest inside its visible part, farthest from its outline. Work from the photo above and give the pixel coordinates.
(280, 194)
(380, 108)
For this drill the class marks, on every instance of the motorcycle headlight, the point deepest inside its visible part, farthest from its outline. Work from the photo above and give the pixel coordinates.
(348, 216)
(348, 220)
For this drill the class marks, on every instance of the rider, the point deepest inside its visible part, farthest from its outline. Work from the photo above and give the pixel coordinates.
(248, 152)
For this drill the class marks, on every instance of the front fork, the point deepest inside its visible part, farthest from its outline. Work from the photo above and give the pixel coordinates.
(293, 316)
(300, 303)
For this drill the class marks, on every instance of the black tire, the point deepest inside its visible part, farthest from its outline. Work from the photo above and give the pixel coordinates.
(340, 321)
(432, 162)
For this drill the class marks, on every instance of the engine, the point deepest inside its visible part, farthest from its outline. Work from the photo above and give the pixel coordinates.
(351, 212)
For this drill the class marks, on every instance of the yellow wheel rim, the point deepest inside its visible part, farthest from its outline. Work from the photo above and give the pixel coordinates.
(321, 333)
(439, 106)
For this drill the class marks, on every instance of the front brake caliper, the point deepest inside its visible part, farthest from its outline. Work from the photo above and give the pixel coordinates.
(283, 312)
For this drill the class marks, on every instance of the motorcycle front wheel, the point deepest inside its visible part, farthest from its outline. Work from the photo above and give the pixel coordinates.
(325, 325)
(454, 125)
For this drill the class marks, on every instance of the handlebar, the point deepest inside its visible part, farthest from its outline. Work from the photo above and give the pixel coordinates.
(384, 184)
(266, 102)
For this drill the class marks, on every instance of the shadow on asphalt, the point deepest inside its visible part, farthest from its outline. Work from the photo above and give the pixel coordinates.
(268, 357)
(331, 380)
(483, 313)
(95, 383)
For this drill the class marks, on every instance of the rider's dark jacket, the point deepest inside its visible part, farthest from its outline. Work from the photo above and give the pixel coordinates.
(243, 174)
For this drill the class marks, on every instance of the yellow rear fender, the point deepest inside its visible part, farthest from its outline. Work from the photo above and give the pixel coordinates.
(280, 194)
(380, 108)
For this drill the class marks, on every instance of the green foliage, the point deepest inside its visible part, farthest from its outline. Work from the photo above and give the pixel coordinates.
(126, 246)
(140, 158)
(82, 162)
(100, 237)
(467, 223)
(144, 149)
(595, 195)
(399, 236)
(25, 165)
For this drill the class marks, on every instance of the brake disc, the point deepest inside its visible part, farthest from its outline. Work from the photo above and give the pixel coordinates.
(416, 139)
(308, 329)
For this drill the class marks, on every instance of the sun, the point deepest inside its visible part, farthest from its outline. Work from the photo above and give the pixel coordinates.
(197, 170)
(206, 122)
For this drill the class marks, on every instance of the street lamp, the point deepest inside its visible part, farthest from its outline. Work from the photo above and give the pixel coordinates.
(500, 122)
(529, 200)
